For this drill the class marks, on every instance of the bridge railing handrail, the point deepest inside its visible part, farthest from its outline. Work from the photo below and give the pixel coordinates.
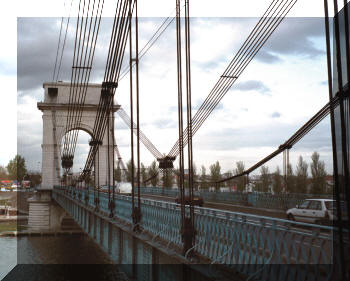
(236, 237)
(232, 215)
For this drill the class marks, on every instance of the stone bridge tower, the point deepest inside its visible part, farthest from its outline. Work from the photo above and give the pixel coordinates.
(55, 111)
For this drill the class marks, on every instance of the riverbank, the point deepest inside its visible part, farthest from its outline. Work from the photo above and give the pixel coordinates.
(13, 218)
(6, 226)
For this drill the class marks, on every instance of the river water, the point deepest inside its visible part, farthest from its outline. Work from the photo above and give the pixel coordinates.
(63, 250)
(8, 255)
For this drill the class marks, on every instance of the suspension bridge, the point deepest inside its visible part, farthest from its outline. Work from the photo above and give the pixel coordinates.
(137, 230)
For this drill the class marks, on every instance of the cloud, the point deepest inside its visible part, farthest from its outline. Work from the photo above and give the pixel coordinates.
(208, 104)
(252, 85)
(253, 137)
(211, 51)
(37, 47)
(294, 36)
(165, 123)
(276, 114)
(7, 68)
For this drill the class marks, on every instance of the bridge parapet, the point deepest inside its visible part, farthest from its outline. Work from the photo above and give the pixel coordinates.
(280, 201)
(243, 242)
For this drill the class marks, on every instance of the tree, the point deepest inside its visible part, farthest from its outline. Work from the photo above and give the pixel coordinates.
(277, 181)
(203, 179)
(265, 179)
(290, 179)
(177, 176)
(318, 172)
(229, 183)
(301, 176)
(128, 171)
(143, 173)
(241, 180)
(3, 173)
(17, 168)
(167, 178)
(34, 178)
(118, 174)
(153, 172)
(195, 176)
(215, 173)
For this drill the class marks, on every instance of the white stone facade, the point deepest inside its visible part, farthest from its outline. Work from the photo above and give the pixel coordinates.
(55, 111)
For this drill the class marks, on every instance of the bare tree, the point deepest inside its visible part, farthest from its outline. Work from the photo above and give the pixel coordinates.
(3, 172)
(118, 174)
(265, 179)
(277, 181)
(215, 173)
(301, 176)
(128, 171)
(290, 179)
(241, 180)
(318, 172)
(153, 172)
(168, 178)
(143, 173)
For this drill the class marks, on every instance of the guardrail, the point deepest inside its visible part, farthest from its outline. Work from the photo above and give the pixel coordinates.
(281, 201)
(245, 242)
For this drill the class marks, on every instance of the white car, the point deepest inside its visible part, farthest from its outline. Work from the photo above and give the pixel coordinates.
(320, 211)
(124, 188)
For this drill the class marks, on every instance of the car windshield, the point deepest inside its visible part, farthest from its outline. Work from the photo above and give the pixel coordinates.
(304, 204)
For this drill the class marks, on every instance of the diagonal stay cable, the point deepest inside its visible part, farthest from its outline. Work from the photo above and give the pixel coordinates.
(252, 45)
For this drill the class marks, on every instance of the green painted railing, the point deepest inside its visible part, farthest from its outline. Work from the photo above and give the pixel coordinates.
(242, 241)
(281, 201)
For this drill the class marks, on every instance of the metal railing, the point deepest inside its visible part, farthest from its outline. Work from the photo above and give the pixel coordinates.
(282, 201)
(242, 241)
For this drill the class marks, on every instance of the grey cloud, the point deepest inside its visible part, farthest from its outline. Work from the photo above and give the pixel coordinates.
(37, 40)
(165, 123)
(267, 57)
(36, 52)
(276, 114)
(252, 85)
(208, 105)
(294, 37)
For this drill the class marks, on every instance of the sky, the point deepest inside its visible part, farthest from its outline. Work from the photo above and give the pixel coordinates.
(279, 91)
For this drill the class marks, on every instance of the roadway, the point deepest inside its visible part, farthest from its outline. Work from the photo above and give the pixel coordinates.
(269, 213)
(262, 230)
(305, 237)
(279, 214)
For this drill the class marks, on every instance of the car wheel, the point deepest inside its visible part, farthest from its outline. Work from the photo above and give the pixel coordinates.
(290, 217)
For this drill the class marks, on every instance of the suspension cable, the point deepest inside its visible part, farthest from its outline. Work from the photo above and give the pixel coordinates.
(257, 38)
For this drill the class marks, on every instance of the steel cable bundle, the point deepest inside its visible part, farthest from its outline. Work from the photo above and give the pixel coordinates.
(147, 143)
(87, 29)
(114, 62)
(272, 17)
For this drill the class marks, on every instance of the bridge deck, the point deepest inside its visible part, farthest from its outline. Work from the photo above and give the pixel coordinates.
(245, 243)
